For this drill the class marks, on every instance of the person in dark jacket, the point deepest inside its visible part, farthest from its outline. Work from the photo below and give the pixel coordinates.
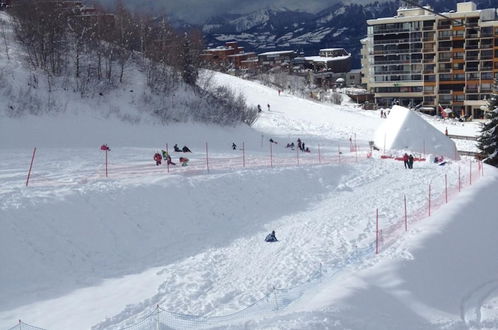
(186, 149)
(410, 161)
(271, 237)
(405, 160)
(177, 149)
(234, 146)
(158, 158)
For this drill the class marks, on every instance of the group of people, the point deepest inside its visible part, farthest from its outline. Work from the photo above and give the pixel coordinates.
(184, 149)
(164, 155)
(384, 114)
(408, 160)
(260, 110)
(300, 144)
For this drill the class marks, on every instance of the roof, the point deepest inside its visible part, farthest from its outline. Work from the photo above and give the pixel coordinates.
(330, 49)
(326, 59)
(277, 52)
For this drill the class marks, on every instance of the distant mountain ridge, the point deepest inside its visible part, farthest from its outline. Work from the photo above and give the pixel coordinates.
(341, 25)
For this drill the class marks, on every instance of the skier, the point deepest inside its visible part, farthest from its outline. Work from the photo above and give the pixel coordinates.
(271, 237)
(410, 161)
(273, 141)
(405, 160)
(299, 144)
(259, 108)
(157, 158)
(167, 157)
(268, 106)
(186, 149)
(184, 161)
(234, 146)
(177, 149)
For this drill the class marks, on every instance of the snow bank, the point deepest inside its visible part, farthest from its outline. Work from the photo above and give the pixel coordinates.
(405, 130)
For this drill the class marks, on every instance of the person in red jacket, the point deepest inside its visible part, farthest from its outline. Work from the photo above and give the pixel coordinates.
(405, 159)
(158, 158)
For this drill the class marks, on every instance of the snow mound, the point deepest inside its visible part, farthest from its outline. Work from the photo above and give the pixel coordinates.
(405, 130)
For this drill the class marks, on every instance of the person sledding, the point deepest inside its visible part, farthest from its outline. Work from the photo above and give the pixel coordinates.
(176, 148)
(167, 157)
(184, 161)
(158, 158)
(271, 237)
(186, 149)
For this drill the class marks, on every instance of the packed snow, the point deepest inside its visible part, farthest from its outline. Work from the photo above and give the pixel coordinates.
(84, 251)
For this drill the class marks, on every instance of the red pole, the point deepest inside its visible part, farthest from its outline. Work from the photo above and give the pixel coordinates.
(429, 199)
(243, 155)
(106, 162)
(339, 148)
(167, 162)
(470, 171)
(424, 148)
(459, 180)
(356, 151)
(207, 158)
(30, 166)
(406, 216)
(271, 154)
(376, 231)
(446, 187)
(482, 168)
(319, 156)
(297, 156)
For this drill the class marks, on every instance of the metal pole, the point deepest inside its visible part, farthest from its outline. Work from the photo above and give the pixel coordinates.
(376, 231)
(207, 158)
(429, 199)
(406, 215)
(470, 171)
(30, 166)
(271, 154)
(446, 187)
(243, 155)
(297, 156)
(459, 180)
(167, 152)
(339, 149)
(106, 163)
(319, 155)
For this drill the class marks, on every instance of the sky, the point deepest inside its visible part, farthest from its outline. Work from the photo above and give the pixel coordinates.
(197, 11)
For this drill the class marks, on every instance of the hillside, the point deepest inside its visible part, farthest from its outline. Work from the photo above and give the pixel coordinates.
(177, 247)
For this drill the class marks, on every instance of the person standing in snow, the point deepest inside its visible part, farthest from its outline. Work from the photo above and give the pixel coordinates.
(271, 237)
(410, 161)
(234, 146)
(405, 160)
(268, 106)
(157, 158)
(259, 108)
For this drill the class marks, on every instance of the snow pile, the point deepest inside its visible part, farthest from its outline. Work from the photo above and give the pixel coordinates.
(405, 130)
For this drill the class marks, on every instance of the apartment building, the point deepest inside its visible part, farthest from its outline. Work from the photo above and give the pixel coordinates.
(418, 57)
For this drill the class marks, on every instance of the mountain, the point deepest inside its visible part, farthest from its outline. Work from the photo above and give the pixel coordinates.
(341, 25)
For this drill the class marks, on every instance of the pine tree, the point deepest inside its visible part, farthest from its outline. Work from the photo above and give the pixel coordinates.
(488, 140)
(189, 67)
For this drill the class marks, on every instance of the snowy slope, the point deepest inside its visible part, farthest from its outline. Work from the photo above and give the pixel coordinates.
(87, 251)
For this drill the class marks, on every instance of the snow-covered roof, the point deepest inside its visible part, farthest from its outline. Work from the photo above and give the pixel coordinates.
(277, 53)
(243, 54)
(326, 59)
(330, 49)
(406, 130)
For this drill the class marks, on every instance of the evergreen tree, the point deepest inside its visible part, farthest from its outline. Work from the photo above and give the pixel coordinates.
(189, 67)
(488, 140)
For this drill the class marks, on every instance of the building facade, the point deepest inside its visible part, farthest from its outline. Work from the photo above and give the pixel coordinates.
(419, 58)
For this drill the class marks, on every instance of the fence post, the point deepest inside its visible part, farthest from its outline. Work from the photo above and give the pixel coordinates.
(424, 148)
(297, 156)
(339, 150)
(482, 168)
(319, 155)
(470, 171)
(106, 173)
(275, 296)
(157, 317)
(459, 180)
(30, 166)
(376, 231)
(406, 215)
(429, 199)
(446, 187)
(271, 154)
(207, 158)
(167, 152)
(243, 155)
(20, 325)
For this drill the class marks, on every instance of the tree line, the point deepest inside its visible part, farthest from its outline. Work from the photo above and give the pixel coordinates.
(90, 47)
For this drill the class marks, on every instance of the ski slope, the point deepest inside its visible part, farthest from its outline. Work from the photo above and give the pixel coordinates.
(88, 252)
